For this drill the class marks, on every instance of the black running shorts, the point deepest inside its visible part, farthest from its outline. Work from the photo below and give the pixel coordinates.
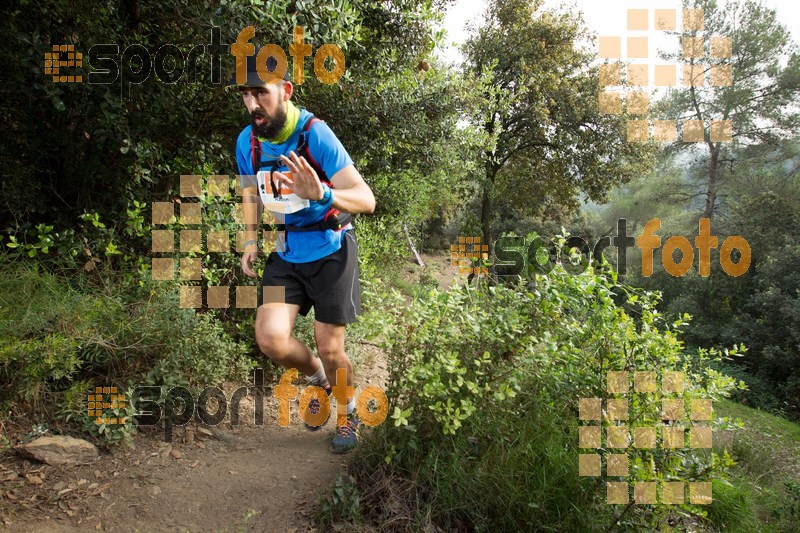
(329, 284)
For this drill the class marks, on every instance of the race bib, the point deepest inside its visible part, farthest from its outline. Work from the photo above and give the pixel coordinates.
(287, 202)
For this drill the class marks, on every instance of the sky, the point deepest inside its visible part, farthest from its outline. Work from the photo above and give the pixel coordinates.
(604, 17)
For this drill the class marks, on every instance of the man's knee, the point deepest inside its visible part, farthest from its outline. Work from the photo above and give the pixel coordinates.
(332, 355)
(274, 344)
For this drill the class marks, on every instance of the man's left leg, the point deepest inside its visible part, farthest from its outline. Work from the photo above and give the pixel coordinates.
(330, 347)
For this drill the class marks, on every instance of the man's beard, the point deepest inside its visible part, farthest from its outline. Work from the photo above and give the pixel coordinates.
(272, 127)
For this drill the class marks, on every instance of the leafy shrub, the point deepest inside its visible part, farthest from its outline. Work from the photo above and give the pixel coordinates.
(58, 341)
(465, 364)
(342, 504)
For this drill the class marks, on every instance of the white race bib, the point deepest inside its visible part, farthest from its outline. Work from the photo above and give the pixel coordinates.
(288, 202)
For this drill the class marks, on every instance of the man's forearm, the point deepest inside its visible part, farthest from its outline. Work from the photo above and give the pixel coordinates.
(354, 200)
(252, 209)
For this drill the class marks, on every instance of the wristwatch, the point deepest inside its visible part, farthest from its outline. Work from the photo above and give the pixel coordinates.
(327, 197)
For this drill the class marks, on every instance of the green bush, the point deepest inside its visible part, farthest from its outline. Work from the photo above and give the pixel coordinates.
(62, 336)
(488, 367)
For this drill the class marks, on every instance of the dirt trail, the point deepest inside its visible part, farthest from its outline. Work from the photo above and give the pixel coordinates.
(244, 478)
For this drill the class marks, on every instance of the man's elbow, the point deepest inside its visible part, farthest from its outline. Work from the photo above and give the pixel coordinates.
(369, 206)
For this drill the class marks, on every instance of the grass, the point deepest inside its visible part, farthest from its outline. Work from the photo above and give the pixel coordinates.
(766, 478)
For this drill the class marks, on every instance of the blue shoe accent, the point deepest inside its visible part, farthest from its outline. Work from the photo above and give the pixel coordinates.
(346, 438)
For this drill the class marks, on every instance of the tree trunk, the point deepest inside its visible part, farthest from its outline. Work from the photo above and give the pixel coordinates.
(486, 206)
(711, 190)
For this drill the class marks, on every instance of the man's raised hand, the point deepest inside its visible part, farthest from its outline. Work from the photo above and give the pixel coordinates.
(304, 181)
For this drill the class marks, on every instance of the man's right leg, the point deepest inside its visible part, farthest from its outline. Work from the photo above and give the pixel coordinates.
(274, 324)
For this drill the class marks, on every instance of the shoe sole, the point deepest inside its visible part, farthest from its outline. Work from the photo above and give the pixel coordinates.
(316, 428)
(342, 451)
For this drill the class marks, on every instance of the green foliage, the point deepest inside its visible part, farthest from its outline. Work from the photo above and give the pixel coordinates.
(759, 308)
(57, 335)
(111, 434)
(341, 504)
(202, 355)
(761, 100)
(466, 364)
(548, 141)
(766, 475)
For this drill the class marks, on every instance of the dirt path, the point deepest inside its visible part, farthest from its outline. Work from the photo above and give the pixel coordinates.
(244, 478)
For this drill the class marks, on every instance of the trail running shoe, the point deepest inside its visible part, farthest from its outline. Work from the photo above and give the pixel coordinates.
(346, 438)
(314, 406)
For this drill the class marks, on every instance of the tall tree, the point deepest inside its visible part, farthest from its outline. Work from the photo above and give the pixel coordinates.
(549, 142)
(757, 88)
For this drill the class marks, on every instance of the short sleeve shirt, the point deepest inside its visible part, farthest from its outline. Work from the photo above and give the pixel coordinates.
(330, 155)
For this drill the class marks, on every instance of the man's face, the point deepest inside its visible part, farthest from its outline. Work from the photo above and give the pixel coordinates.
(267, 108)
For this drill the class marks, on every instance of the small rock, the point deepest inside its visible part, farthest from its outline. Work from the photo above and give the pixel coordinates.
(59, 450)
(98, 474)
(93, 486)
(294, 478)
(201, 445)
(176, 454)
(155, 490)
(59, 486)
(195, 463)
(188, 437)
(82, 482)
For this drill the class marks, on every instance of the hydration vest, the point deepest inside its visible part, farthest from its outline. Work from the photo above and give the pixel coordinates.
(333, 219)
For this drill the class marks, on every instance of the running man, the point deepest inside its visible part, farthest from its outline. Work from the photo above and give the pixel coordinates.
(316, 262)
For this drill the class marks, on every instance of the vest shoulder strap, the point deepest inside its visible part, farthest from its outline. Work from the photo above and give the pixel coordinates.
(304, 151)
